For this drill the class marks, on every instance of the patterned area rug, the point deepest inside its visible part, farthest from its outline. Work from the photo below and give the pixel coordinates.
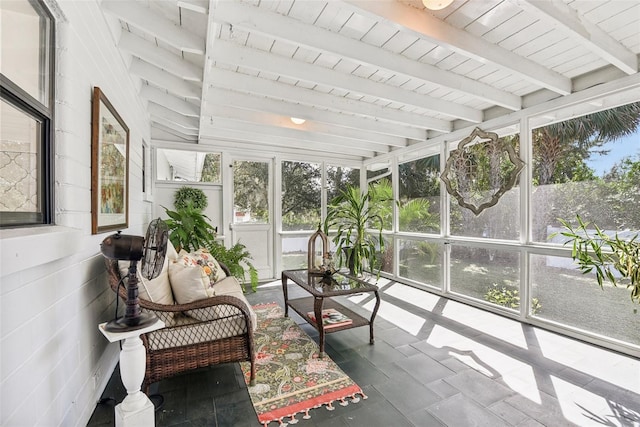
(290, 377)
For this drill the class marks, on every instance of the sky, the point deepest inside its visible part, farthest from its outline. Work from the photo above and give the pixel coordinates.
(619, 149)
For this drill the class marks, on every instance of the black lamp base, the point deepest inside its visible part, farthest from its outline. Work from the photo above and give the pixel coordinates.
(123, 324)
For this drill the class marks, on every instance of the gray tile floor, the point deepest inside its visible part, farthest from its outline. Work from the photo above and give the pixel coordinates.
(435, 362)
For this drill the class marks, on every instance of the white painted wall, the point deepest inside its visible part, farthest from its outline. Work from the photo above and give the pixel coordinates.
(53, 289)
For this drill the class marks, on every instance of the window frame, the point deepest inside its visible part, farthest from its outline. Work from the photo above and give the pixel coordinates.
(30, 106)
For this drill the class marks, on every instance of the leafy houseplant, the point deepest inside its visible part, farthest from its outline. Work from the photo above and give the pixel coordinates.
(185, 196)
(605, 255)
(352, 212)
(234, 258)
(189, 229)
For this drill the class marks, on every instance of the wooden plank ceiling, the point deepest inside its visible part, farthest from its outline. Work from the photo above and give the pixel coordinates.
(369, 77)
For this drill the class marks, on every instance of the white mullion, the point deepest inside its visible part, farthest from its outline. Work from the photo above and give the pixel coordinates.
(526, 188)
(445, 222)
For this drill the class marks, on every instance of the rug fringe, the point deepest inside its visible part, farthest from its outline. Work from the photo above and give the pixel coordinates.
(329, 405)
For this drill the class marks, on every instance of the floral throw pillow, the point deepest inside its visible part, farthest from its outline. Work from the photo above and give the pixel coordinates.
(209, 264)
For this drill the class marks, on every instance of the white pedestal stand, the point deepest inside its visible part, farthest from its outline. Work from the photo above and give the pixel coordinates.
(136, 409)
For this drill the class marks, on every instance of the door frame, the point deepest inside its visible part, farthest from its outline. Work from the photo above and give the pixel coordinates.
(228, 199)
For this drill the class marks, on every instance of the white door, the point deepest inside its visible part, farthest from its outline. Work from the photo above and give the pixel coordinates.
(252, 216)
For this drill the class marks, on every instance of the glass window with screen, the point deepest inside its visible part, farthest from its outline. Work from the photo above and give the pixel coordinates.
(488, 168)
(419, 188)
(339, 178)
(379, 179)
(251, 192)
(187, 166)
(301, 195)
(587, 166)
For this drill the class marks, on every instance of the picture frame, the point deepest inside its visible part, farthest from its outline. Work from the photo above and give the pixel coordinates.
(109, 166)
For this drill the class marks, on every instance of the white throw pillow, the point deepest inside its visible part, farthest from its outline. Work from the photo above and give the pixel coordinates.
(188, 282)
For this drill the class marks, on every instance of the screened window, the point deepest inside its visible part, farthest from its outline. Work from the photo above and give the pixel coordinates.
(301, 195)
(379, 179)
(187, 166)
(26, 113)
(419, 188)
(339, 178)
(502, 220)
(589, 165)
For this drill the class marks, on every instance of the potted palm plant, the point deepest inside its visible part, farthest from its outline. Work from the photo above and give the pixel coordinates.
(611, 258)
(351, 213)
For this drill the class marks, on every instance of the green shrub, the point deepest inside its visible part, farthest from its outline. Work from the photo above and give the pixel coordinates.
(186, 196)
(510, 298)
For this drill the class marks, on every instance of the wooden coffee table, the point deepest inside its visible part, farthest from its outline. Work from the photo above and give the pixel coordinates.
(322, 289)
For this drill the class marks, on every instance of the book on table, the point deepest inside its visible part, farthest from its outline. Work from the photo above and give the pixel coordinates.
(331, 318)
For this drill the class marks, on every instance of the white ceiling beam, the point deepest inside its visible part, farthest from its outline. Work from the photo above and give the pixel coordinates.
(227, 140)
(161, 78)
(198, 6)
(280, 27)
(169, 101)
(235, 54)
(169, 125)
(266, 140)
(424, 25)
(159, 57)
(263, 87)
(159, 111)
(362, 137)
(174, 130)
(567, 20)
(336, 142)
(176, 127)
(261, 103)
(154, 24)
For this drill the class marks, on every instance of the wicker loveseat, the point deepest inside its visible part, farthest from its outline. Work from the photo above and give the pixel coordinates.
(206, 332)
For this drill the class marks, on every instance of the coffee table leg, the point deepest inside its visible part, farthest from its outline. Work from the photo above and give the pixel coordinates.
(317, 310)
(285, 292)
(373, 316)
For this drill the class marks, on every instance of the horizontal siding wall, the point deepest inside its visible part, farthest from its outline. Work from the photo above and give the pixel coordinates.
(53, 288)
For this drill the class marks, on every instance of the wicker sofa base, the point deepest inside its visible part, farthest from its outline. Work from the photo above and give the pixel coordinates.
(169, 362)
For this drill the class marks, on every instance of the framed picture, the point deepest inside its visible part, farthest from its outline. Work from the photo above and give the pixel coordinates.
(109, 167)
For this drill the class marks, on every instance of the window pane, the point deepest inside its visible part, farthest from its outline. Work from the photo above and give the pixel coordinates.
(421, 261)
(420, 195)
(24, 57)
(501, 221)
(187, 166)
(20, 140)
(294, 252)
(486, 274)
(380, 184)
(589, 166)
(301, 194)
(567, 296)
(251, 192)
(339, 177)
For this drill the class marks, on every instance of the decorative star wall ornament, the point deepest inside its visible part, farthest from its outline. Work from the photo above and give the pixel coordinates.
(481, 170)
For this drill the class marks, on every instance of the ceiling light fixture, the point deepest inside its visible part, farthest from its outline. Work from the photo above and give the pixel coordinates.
(297, 120)
(436, 4)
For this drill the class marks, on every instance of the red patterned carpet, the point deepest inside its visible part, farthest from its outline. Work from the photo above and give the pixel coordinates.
(291, 378)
